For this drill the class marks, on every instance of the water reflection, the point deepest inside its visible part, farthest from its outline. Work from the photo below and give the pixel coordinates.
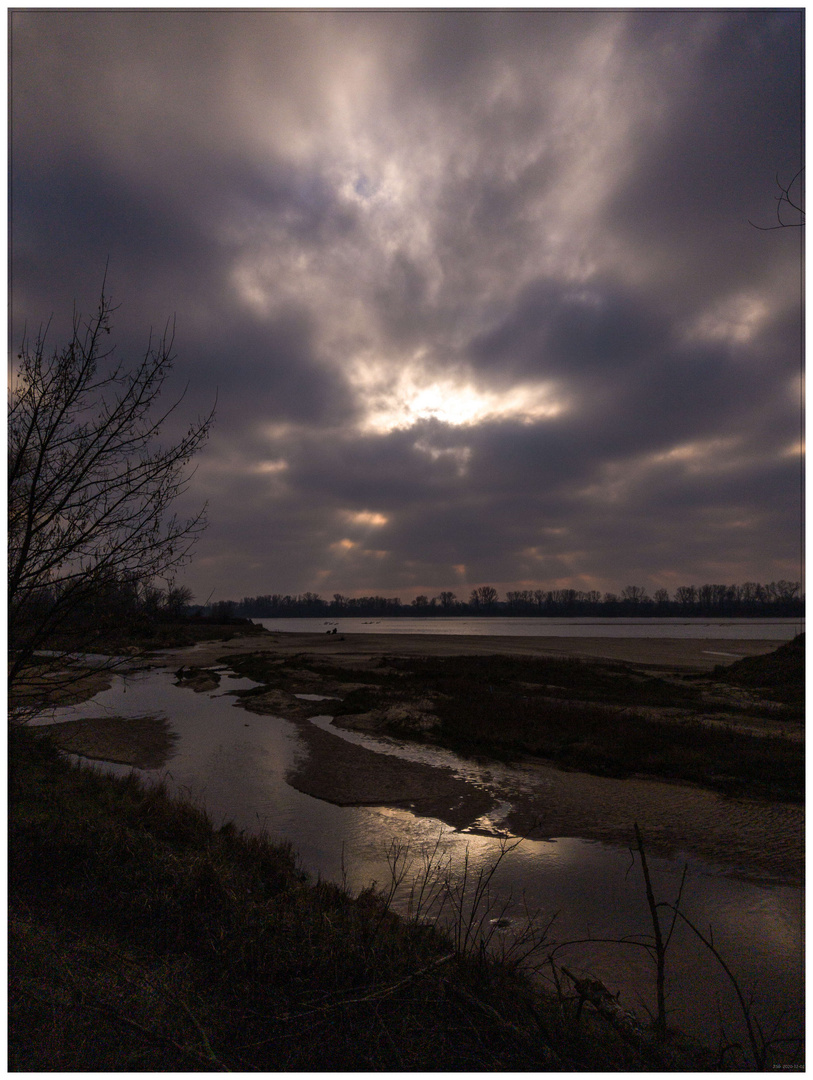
(235, 763)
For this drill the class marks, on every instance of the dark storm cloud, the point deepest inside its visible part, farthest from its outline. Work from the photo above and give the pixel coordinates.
(572, 331)
(620, 355)
(476, 290)
(706, 168)
(273, 373)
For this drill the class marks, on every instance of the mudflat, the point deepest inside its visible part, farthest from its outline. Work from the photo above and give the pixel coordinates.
(145, 742)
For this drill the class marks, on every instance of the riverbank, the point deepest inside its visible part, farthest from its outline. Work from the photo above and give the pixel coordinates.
(336, 769)
(143, 939)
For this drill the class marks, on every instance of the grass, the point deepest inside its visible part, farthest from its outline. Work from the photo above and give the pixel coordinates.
(589, 737)
(780, 675)
(143, 939)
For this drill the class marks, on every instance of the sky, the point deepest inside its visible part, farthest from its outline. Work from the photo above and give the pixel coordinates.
(478, 292)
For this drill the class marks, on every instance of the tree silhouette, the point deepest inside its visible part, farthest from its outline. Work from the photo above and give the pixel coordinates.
(483, 598)
(90, 493)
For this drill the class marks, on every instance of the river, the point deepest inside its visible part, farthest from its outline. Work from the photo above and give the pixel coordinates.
(235, 764)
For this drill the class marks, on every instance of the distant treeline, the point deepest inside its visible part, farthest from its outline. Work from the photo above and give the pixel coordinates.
(777, 599)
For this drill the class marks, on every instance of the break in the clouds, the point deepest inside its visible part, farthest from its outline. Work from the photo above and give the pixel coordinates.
(477, 290)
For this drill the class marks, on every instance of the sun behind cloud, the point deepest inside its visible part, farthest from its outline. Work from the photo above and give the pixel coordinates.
(400, 402)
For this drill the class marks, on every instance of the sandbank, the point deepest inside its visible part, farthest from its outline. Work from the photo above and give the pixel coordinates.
(700, 654)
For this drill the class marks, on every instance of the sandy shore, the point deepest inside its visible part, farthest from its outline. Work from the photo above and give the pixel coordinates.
(750, 838)
(700, 654)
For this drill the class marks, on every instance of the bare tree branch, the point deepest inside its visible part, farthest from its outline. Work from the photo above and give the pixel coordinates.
(786, 203)
(90, 489)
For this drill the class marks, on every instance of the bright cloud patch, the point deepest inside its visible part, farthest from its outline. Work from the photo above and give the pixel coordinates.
(271, 467)
(735, 319)
(460, 456)
(365, 518)
(411, 398)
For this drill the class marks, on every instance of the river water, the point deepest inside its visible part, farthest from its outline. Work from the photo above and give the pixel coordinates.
(235, 764)
(509, 626)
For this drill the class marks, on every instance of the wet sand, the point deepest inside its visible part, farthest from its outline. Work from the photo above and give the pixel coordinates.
(750, 838)
(348, 775)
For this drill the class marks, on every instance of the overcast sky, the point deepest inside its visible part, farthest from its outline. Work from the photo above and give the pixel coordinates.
(477, 291)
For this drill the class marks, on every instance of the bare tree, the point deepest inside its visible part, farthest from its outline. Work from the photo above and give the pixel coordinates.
(90, 491)
(177, 600)
(634, 594)
(790, 212)
(483, 598)
(661, 599)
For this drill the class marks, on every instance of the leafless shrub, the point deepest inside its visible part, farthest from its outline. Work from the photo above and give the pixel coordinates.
(461, 900)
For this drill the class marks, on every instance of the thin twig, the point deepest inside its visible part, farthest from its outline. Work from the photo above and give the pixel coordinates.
(759, 1055)
(660, 949)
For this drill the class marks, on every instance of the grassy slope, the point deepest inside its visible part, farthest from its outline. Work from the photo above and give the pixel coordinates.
(143, 940)
(779, 675)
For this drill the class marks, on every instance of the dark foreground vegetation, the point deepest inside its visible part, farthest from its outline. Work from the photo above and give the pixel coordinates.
(780, 675)
(145, 635)
(610, 719)
(143, 939)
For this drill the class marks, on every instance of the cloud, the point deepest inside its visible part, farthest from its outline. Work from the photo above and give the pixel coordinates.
(476, 290)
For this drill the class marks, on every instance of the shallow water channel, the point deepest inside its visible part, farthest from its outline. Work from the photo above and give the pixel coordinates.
(234, 764)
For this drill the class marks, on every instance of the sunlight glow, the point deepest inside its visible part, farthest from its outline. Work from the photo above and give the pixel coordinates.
(414, 395)
(365, 517)
(270, 466)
